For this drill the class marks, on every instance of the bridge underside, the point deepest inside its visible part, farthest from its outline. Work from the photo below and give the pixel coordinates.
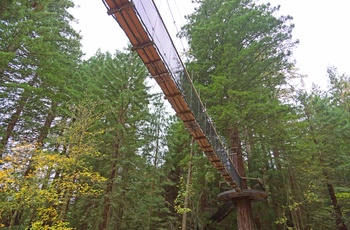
(144, 27)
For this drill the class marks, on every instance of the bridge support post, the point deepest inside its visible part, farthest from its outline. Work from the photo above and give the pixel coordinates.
(243, 204)
(244, 214)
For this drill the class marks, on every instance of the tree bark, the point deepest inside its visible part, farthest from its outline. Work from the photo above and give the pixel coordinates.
(12, 123)
(106, 210)
(244, 214)
(295, 212)
(48, 121)
(43, 134)
(244, 207)
(14, 117)
(120, 212)
(15, 219)
(338, 214)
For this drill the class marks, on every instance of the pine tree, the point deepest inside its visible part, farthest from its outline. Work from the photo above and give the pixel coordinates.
(240, 54)
(131, 151)
(39, 52)
(327, 119)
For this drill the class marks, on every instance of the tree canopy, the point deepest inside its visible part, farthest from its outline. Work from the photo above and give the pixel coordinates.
(86, 144)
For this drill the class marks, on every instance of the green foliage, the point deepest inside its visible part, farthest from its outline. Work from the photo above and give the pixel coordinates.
(40, 198)
(239, 39)
(85, 143)
(39, 52)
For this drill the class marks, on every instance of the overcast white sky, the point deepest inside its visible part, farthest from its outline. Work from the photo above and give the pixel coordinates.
(322, 28)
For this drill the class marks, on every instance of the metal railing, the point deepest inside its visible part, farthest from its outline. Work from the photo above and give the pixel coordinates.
(157, 31)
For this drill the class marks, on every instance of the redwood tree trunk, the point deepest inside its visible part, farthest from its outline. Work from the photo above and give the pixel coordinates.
(295, 213)
(244, 214)
(12, 123)
(244, 207)
(48, 121)
(338, 214)
(106, 211)
(43, 134)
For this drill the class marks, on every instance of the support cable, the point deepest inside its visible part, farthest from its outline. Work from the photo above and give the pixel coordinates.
(174, 21)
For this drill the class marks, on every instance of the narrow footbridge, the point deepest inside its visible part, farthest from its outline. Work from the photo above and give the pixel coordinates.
(149, 37)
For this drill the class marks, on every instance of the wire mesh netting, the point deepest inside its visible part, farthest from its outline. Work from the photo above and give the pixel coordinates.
(157, 31)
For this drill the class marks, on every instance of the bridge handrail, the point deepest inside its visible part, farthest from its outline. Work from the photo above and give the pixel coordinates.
(154, 24)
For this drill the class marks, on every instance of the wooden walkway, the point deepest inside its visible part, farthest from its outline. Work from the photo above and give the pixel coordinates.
(145, 29)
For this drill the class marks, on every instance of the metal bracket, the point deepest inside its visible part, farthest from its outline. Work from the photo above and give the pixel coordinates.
(151, 43)
(120, 9)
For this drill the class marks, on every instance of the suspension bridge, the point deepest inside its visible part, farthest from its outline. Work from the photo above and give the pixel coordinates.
(143, 25)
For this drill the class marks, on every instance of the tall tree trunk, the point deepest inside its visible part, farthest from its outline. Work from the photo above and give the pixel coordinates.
(12, 123)
(275, 148)
(14, 117)
(46, 127)
(120, 212)
(249, 145)
(337, 212)
(156, 155)
(244, 207)
(295, 212)
(106, 210)
(15, 219)
(8, 133)
(65, 207)
(187, 192)
(42, 135)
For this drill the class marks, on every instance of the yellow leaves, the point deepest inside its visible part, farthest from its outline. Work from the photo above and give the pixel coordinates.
(92, 177)
(180, 199)
(181, 210)
(59, 225)
(294, 206)
(311, 197)
(6, 180)
(44, 182)
(47, 196)
(16, 160)
(47, 214)
(81, 183)
(281, 221)
(343, 197)
(54, 180)
(7, 158)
